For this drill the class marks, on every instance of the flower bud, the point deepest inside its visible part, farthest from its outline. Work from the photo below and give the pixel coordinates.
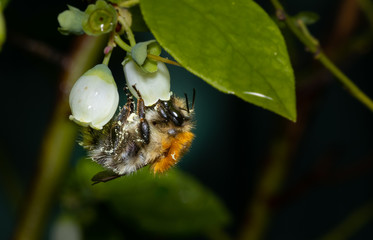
(99, 18)
(71, 21)
(152, 86)
(139, 54)
(94, 98)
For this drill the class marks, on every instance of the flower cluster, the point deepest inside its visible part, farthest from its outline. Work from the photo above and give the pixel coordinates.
(94, 97)
(156, 132)
(97, 19)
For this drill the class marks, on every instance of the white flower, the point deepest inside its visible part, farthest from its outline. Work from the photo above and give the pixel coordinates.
(94, 98)
(152, 86)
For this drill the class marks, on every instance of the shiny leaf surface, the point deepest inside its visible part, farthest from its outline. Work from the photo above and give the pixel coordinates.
(232, 45)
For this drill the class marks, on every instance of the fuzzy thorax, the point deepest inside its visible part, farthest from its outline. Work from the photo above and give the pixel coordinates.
(173, 149)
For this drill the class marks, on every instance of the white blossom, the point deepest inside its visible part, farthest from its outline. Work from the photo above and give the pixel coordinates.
(94, 98)
(152, 86)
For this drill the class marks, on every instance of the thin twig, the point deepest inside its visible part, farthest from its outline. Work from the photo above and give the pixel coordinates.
(162, 59)
(358, 219)
(315, 48)
(127, 28)
(129, 3)
(121, 43)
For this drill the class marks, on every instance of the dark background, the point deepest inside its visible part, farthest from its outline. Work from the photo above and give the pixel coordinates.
(328, 152)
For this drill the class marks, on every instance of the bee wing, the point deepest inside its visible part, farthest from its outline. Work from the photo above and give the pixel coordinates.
(104, 176)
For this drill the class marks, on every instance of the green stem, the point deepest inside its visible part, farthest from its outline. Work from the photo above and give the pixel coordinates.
(122, 44)
(129, 3)
(109, 46)
(128, 30)
(307, 33)
(107, 58)
(313, 46)
(347, 83)
(56, 147)
(162, 59)
(349, 226)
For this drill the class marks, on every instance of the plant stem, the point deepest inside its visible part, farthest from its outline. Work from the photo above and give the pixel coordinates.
(129, 3)
(359, 218)
(109, 49)
(127, 28)
(56, 147)
(314, 47)
(162, 59)
(347, 83)
(122, 44)
(107, 58)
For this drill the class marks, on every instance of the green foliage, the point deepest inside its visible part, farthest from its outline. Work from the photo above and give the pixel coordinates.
(168, 204)
(234, 46)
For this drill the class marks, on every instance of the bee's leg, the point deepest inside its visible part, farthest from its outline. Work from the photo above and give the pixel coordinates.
(144, 125)
(128, 108)
(121, 119)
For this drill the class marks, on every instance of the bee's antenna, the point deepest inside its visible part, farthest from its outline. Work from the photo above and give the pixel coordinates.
(194, 97)
(187, 102)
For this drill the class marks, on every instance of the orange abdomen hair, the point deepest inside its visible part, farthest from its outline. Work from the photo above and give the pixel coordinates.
(174, 148)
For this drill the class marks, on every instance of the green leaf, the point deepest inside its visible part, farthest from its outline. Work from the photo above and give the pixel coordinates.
(173, 203)
(232, 45)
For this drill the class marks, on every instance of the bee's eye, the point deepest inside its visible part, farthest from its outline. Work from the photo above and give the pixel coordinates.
(176, 117)
(168, 112)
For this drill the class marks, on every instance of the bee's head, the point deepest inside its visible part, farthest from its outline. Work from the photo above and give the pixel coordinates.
(177, 110)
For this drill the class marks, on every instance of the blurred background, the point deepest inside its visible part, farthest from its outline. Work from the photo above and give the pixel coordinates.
(249, 174)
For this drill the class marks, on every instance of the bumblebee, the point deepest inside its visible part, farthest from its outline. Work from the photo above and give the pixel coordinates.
(157, 135)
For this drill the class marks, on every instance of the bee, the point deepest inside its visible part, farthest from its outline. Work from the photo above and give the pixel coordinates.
(157, 135)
